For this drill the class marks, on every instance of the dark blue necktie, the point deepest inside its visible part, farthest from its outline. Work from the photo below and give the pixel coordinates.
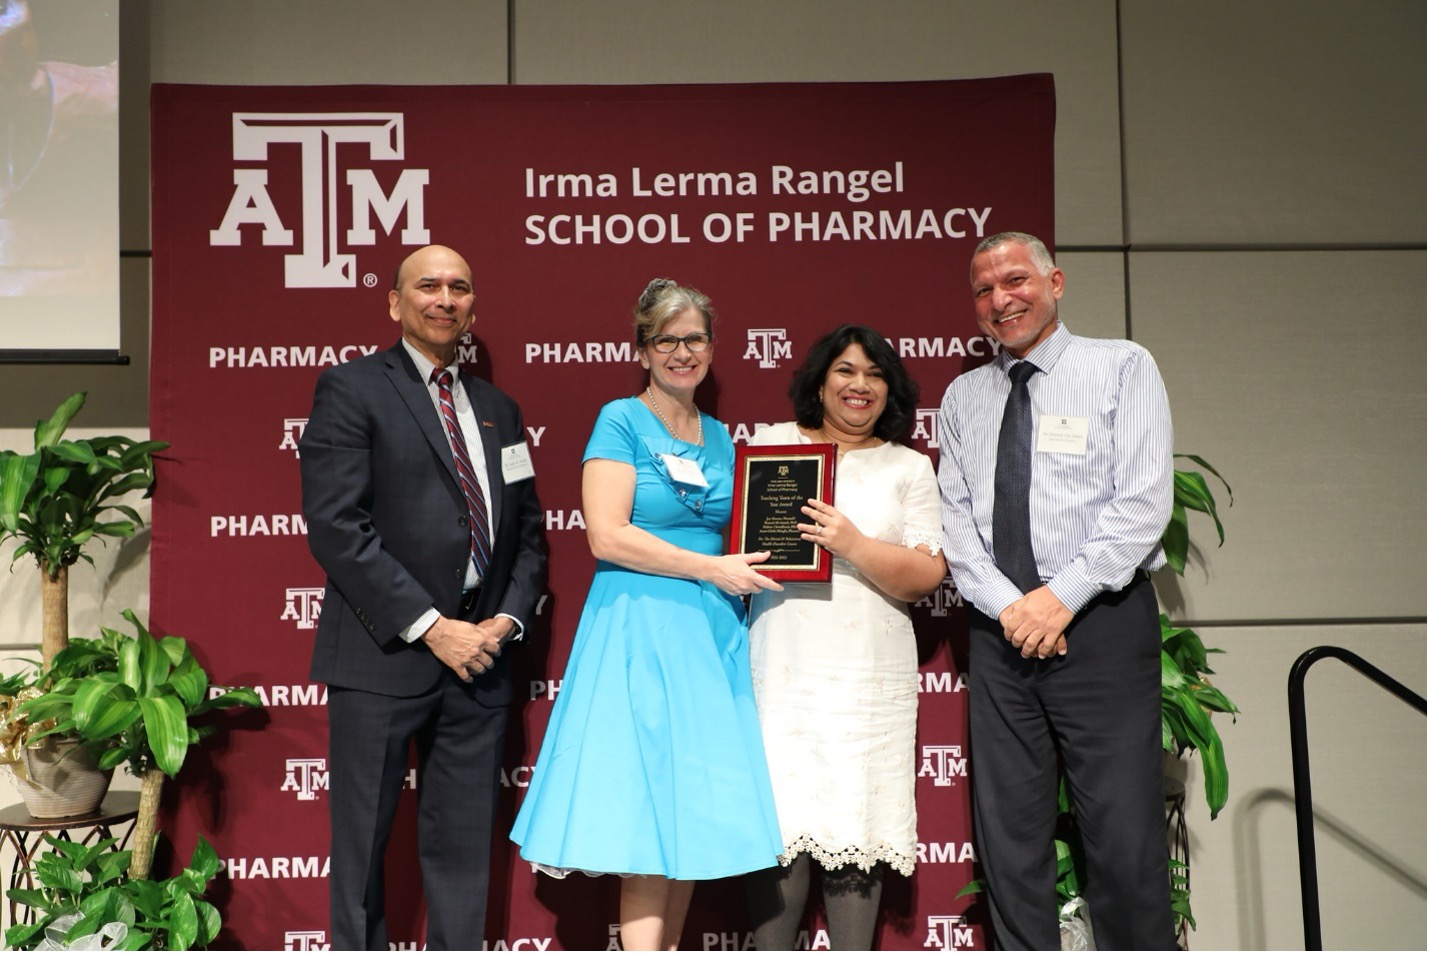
(1012, 481)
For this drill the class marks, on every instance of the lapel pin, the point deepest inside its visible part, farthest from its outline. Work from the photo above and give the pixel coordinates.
(488, 424)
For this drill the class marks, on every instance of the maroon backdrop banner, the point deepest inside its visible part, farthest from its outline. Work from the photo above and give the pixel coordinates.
(279, 215)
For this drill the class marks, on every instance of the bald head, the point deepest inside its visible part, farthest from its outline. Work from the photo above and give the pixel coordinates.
(414, 263)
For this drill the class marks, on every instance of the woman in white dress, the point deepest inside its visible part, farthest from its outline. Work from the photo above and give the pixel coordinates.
(835, 665)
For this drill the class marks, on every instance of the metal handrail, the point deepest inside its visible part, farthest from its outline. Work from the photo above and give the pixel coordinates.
(1301, 771)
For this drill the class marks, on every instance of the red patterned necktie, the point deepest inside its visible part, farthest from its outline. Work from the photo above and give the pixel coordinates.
(466, 477)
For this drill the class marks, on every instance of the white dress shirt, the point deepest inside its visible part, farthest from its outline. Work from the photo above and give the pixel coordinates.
(1096, 516)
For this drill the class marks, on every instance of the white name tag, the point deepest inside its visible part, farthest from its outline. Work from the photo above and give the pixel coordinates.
(516, 463)
(684, 471)
(1062, 435)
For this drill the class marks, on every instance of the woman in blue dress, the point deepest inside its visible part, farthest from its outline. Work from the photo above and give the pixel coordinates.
(652, 766)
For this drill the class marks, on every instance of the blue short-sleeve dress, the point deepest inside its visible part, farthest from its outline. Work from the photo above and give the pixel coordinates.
(652, 761)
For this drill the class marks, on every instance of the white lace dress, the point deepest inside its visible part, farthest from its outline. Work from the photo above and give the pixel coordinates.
(836, 676)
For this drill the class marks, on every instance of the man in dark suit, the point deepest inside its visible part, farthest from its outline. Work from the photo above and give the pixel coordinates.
(421, 509)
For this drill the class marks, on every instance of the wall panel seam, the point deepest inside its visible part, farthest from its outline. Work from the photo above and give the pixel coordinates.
(1303, 622)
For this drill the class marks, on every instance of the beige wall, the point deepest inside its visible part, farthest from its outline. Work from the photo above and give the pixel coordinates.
(1240, 187)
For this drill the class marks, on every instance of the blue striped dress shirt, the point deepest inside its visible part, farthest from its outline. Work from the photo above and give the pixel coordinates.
(1096, 517)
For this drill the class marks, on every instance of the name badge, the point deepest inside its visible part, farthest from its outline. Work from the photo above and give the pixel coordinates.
(685, 471)
(1062, 435)
(516, 463)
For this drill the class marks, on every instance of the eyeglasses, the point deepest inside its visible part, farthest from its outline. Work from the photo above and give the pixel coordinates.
(695, 342)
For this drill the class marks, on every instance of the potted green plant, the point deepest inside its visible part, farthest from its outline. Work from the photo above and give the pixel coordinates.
(1188, 697)
(141, 714)
(82, 898)
(58, 499)
(56, 776)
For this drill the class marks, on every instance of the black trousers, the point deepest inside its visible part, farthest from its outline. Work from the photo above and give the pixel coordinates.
(1100, 708)
(459, 745)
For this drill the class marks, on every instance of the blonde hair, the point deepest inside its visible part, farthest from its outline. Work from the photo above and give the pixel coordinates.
(663, 300)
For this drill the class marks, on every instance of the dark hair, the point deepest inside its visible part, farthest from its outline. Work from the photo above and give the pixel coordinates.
(809, 379)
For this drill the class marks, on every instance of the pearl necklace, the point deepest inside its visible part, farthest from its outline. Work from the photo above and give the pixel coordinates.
(699, 422)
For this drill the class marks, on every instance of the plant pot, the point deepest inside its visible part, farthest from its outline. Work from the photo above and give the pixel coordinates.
(64, 779)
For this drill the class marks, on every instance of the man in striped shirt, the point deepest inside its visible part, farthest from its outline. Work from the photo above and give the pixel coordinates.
(1055, 496)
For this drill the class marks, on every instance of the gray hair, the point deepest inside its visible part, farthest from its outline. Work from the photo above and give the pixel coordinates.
(1042, 258)
(662, 301)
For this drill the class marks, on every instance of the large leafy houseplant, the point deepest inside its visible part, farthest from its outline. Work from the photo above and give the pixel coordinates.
(81, 657)
(1188, 698)
(20, 733)
(56, 500)
(83, 890)
(140, 714)
(1190, 492)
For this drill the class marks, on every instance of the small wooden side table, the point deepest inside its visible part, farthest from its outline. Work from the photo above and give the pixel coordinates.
(23, 832)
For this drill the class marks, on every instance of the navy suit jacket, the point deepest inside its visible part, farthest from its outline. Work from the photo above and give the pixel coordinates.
(388, 524)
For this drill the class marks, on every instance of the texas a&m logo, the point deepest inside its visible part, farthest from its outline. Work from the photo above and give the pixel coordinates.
(926, 426)
(768, 346)
(949, 933)
(305, 941)
(943, 762)
(318, 264)
(302, 606)
(305, 776)
(292, 432)
(942, 601)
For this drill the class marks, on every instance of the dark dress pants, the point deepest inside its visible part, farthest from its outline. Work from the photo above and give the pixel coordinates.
(459, 745)
(1100, 708)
